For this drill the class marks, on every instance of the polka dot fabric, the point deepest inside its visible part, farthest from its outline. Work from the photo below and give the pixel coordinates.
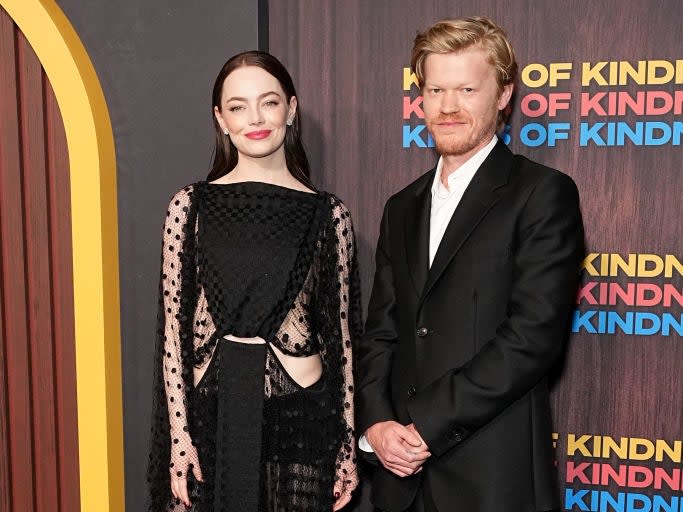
(256, 260)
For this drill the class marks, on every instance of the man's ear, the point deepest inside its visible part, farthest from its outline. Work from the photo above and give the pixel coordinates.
(505, 96)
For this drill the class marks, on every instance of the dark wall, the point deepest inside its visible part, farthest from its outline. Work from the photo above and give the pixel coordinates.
(156, 62)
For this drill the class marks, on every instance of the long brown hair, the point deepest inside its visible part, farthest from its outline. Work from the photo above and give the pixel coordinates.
(225, 153)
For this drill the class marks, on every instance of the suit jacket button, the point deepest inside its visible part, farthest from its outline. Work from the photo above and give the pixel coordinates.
(412, 391)
(457, 437)
(422, 332)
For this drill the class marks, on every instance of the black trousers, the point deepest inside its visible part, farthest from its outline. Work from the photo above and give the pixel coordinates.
(423, 502)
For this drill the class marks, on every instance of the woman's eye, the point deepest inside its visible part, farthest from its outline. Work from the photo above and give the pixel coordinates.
(271, 103)
(235, 108)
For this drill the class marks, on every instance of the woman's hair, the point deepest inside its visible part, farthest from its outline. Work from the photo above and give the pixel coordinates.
(225, 153)
(448, 36)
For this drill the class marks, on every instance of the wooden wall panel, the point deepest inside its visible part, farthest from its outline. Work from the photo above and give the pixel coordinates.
(38, 388)
(38, 274)
(15, 335)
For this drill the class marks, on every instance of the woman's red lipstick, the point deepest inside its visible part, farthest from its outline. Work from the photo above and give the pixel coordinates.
(258, 135)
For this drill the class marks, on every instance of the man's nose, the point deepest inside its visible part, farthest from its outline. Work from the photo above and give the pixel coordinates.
(450, 103)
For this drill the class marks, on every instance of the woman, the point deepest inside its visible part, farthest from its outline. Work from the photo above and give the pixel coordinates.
(259, 307)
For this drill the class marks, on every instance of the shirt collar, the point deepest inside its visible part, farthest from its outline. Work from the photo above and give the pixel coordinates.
(466, 171)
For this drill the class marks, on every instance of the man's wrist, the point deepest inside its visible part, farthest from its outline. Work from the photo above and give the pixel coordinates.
(364, 444)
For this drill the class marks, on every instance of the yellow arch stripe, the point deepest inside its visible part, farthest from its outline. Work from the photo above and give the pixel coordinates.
(95, 250)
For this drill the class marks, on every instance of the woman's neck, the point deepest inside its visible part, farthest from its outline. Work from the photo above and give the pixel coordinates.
(270, 169)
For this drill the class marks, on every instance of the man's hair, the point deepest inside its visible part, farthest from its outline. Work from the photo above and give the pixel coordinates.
(449, 36)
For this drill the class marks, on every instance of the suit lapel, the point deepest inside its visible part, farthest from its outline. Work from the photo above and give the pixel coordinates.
(417, 233)
(481, 194)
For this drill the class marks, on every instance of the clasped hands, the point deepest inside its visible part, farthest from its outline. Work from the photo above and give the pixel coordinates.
(399, 448)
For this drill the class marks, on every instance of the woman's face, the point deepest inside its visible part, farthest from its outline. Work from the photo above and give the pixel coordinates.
(254, 111)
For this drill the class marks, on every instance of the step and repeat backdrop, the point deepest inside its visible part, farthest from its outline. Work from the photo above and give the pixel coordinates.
(600, 97)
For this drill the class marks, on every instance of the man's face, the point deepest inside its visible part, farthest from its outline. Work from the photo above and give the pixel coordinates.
(461, 101)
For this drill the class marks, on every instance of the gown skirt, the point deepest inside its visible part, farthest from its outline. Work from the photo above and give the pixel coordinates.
(262, 452)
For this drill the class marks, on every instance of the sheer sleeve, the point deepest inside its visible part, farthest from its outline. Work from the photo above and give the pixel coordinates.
(183, 453)
(172, 452)
(350, 326)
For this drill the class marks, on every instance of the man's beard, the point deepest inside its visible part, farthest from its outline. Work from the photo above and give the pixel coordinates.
(455, 144)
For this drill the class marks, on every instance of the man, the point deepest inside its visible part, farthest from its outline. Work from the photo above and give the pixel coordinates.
(477, 266)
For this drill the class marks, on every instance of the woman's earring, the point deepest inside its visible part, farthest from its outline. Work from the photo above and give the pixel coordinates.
(226, 132)
(289, 122)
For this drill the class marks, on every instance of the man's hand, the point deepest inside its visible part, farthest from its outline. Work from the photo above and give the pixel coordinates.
(400, 449)
(414, 431)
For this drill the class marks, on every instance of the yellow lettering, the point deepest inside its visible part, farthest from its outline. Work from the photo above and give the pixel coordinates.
(644, 259)
(617, 263)
(588, 264)
(610, 446)
(652, 69)
(627, 70)
(579, 444)
(635, 454)
(535, 68)
(559, 71)
(672, 452)
(589, 73)
(671, 262)
(409, 79)
(604, 264)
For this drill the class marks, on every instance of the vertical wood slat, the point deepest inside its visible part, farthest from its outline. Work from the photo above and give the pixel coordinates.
(5, 488)
(13, 280)
(39, 310)
(38, 404)
(62, 303)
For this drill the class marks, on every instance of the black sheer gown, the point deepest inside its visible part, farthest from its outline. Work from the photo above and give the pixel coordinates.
(253, 259)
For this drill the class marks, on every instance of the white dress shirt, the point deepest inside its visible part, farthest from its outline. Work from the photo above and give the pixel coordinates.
(444, 202)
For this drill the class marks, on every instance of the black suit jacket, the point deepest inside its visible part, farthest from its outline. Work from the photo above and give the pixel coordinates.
(463, 349)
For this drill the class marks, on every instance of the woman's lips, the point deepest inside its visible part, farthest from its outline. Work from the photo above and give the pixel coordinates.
(258, 135)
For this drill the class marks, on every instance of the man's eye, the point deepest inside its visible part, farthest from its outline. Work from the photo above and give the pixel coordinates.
(468, 89)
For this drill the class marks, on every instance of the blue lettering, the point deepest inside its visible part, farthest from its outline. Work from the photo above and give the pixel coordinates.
(538, 140)
(582, 319)
(607, 499)
(659, 504)
(640, 500)
(669, 321)
(625, 324)
(572, 500)
(651, 139)
(590, 134)
(642, 319)
(557, 131)
(413, 136)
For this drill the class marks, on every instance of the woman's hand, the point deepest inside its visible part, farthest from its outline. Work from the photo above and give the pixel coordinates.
(343, 488)
(179, 471)
(342, 498)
